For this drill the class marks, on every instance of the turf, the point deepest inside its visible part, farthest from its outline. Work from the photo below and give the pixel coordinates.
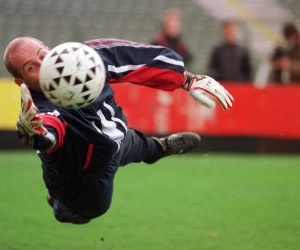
(195, 201)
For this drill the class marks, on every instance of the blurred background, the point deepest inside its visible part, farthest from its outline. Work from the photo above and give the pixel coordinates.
(265, 115)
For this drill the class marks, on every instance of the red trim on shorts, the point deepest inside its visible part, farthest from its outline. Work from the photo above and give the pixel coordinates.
(88, 156)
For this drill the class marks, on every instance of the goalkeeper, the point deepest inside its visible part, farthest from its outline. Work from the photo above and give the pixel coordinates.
(81, 149)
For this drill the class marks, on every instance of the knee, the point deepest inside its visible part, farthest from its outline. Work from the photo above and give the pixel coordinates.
(94, 211)
(71, 218)
(62, 214)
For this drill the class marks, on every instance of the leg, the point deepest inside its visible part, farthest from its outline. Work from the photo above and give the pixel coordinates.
(91, 197)
(179, 143)
(151, 149)
(139, 148)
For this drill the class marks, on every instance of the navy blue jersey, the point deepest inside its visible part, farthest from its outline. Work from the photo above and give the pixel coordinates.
(87, 138)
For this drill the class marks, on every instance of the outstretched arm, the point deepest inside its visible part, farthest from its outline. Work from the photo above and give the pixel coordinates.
(157, 67)
(153, 66)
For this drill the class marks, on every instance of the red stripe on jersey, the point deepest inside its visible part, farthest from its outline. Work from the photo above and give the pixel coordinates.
(60, 127)
(88, 156)
(95, 43)
(164, 79)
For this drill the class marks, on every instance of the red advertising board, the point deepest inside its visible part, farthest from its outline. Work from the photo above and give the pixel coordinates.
(269, 112)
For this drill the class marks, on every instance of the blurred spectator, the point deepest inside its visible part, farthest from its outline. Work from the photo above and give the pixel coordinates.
(170, 34)
(230, 60)
(286, 58)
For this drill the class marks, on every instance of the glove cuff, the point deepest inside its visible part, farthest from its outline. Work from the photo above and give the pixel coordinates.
(188, 80)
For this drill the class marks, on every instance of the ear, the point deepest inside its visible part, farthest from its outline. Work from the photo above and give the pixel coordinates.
(18, 81)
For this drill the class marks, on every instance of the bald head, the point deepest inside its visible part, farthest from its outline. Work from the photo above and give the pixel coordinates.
(23, 58)
(14, 48)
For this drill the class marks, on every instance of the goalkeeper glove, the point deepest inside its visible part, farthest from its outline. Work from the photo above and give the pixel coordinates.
(29, 122)
(202, 87)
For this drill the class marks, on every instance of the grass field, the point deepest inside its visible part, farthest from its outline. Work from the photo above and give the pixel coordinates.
(196, 201)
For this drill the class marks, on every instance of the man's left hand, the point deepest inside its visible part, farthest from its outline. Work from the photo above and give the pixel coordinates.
(202, 88)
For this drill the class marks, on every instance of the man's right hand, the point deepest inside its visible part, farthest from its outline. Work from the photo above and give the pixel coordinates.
(29, 122)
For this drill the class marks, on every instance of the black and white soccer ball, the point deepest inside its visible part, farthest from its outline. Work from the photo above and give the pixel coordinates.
(72, 75)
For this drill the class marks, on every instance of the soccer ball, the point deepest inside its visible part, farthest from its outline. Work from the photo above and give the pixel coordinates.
(72, 75)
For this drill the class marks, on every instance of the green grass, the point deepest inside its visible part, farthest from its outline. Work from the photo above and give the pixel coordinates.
(196, 201)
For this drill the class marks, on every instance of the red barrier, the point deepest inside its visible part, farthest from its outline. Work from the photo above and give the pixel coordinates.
(269, 112)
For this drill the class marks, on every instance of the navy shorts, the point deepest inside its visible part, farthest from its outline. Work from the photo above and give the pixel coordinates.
(91, 196)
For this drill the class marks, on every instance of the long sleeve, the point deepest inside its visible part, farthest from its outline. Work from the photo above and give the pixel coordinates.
(153, 66)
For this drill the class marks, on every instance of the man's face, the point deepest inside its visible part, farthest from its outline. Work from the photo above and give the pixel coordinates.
(230, 32)
(27, 59)
(172, 26)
